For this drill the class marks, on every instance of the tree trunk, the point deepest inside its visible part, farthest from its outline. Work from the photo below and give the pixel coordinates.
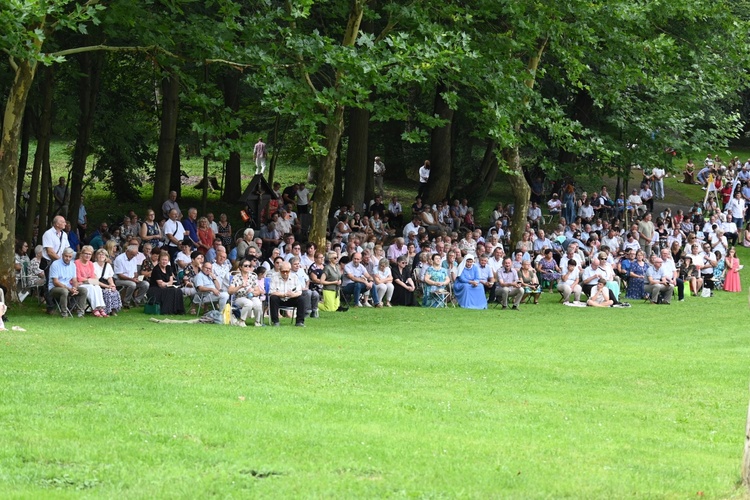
(88, 89)
(521, 193)
(356, 158)
(477, 191)
(42, 149)
(338, 183)
(45, 191)
(175, 174)
(440, 150)
(23, 158)
(324, 188)
(233, 184)
(167, 140)
(11, 134)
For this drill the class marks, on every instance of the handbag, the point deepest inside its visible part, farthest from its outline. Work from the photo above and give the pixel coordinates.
(152, 307)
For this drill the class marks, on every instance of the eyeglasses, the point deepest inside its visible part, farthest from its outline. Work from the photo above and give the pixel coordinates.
(246, 265)
(284, 272)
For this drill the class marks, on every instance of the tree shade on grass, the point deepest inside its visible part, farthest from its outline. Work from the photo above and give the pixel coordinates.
(546, 402)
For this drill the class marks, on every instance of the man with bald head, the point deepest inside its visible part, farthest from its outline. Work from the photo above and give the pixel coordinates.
(660, 286)
(286, 291)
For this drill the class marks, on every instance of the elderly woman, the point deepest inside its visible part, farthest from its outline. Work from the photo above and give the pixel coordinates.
(248, 240)
(205, 236)
(104, 272)
(247, 293)
(88, 279)
(163, 289)
(530, 281)
(403, 285)
(330, 279)
(383, 279)
(469, 291)
(436, 282)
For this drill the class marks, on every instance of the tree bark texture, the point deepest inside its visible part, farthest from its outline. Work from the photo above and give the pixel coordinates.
(23, 157)
(477, 191)
(175, 174)
(440, 150)
(88, 89)
(11, 134)
(521, 193)
(356, 158)
(45, 191)
(42, 148)
(167, 140)
(324, 190)
(233, 184)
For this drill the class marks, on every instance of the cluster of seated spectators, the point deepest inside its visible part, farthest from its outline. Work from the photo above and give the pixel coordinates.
(372, 259)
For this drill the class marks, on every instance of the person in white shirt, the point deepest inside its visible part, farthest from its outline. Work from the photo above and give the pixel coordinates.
(303, 199)
(310, 298)
(286, 291)
(647, 196)
(569, 283)
(424, 177)
(174, 233)
(356, 280)
(659, 283)
(635, 201)
(134, 287)
(554, 205)
(657, 176)
(378, 171)
(670, 271)
(534, 214)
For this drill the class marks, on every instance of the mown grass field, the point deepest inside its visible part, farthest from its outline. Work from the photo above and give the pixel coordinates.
(549, 401)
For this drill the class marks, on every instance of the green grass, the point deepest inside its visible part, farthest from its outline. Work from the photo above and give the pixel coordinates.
(646, 402)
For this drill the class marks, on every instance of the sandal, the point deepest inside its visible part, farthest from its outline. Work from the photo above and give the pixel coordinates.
(103, 313)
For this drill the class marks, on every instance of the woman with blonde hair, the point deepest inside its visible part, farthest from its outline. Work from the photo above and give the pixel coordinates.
(87, 278)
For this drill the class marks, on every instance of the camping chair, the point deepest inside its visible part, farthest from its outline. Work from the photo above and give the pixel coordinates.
(202, 298)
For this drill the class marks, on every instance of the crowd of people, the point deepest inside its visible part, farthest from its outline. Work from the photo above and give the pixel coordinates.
(609, 251)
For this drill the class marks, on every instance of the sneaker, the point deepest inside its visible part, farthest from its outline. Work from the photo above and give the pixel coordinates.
(22, 296)
(314, 314)
(80, 314)
(64, 315)
(276, 324)
(301, 325)
(367, 304)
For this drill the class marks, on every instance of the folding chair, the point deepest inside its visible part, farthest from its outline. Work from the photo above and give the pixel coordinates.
(267, 307)
(201, 298)
(442, 296)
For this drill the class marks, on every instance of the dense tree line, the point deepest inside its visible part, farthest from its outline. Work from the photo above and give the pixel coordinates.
(531, 88)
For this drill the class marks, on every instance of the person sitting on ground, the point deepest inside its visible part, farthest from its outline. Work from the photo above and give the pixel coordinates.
(599, 297)
(63, 285)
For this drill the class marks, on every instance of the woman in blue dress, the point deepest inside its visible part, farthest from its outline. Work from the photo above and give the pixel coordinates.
(637, 276)
(469, 292)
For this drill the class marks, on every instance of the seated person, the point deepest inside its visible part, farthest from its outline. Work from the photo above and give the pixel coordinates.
(530, 281)
(163, 288)
(469, 291)
(599, 297)
(208, 288)
(436, 282)
(486, 275)
(569, 283)
(309, 298)
(63, 285)
(357, 281)
(660, 286)
(247, 294)
(285, 291)
(509, 284)
(134, 287)
(403, 285)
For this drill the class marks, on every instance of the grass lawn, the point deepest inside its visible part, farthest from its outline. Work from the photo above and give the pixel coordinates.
(550, 401)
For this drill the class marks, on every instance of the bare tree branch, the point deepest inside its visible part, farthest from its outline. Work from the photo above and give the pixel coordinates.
(108, 48)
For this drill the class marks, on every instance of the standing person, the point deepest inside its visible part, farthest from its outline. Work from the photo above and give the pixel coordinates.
(303, 199)
(82, 222)
(174, 233)
(378, 171)
(424, 177)
(61, 195)
(657, 174)
(732, 280)
(259, 156)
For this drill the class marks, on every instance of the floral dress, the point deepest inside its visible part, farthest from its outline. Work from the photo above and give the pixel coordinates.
(635, 285)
